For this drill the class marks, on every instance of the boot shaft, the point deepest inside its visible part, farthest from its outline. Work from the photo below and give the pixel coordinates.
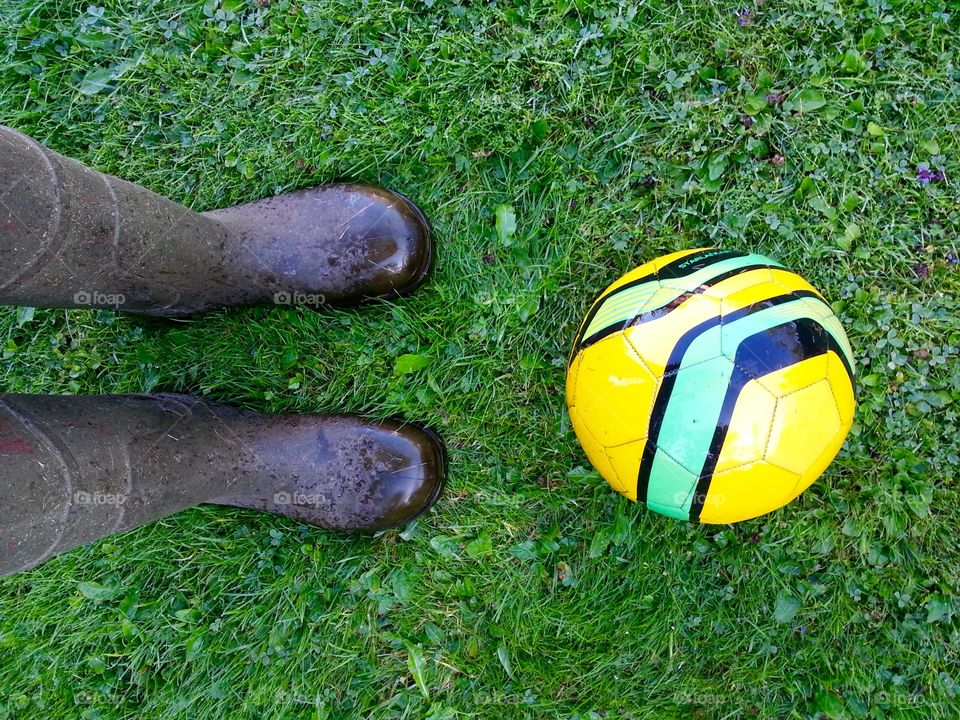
(75, 469)
(74, 237)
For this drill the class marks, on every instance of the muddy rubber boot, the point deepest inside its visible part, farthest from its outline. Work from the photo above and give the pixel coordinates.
(76, 469)
(74, 237)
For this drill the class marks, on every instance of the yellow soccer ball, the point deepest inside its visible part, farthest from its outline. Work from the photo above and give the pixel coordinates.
(711, 385)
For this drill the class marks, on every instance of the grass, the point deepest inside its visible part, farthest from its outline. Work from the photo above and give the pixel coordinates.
(615, 132)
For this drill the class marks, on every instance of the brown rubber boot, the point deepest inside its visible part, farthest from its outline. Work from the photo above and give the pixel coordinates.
(73, 237)
(76, 469)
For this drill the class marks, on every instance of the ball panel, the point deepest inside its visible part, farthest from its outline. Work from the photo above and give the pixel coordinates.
(817, 467)
(625, 461)
(750, 296)
(593, 449)
(842, 389)
(795, 377)
(727, 290)
(614, 391)
(695, 262)
(647, 271)
(823, 314)
(818, 309)
(805, 424)
(655, 341)
(671, 487)
(842, 386)
(690, 414)
(747, 491)
(624, 306)
(738, 326)
(573, 371)
(791, 282)
(749, 428)
(641, 275)
(657, 297)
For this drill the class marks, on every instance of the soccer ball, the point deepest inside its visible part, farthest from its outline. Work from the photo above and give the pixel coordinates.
(711, 385)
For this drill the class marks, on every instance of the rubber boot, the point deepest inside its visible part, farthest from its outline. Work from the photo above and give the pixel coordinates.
(76, 469)
(73, 237)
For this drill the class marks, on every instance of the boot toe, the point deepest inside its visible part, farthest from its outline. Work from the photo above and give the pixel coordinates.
(380, 246)
(399, 495)
(399, 245)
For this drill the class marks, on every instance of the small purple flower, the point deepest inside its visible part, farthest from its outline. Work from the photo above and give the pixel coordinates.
(744, 16)
(952, 259)
(927, 176)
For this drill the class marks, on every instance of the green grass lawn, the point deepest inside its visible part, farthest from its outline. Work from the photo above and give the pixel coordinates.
(615, 132)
